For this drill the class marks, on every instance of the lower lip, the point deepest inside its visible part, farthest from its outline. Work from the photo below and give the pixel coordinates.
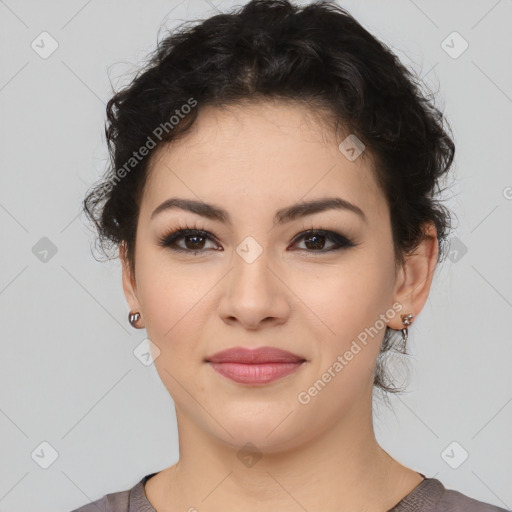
(255, 373)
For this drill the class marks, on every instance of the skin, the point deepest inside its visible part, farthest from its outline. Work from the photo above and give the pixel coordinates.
(253, 160)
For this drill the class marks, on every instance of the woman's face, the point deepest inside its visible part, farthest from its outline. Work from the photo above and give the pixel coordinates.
(254, 281)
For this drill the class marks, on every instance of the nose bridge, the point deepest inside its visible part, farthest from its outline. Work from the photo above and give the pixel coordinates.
(252, 292)
(251, 276)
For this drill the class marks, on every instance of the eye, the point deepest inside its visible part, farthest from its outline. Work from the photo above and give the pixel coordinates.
(194, 240)
(315, 240)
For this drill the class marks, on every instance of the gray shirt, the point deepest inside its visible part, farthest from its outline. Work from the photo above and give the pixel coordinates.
(429, 495)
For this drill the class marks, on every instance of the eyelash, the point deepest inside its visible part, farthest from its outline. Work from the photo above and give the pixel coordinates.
(176, 234)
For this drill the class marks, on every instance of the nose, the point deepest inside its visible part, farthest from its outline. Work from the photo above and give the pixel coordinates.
(254, 295)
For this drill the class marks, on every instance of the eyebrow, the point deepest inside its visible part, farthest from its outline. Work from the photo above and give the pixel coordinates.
(287, 214)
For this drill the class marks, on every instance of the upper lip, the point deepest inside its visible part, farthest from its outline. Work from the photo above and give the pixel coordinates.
(258, 355)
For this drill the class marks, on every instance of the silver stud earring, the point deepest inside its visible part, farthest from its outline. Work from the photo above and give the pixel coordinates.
(406, 321)
(134, 318)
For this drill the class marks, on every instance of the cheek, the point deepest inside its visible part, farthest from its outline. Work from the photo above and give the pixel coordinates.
(343, 305)
(173, 314)
(173, 307)
(348, 295)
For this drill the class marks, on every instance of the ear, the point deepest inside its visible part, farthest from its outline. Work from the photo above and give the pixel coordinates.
(415, 276)
(129, 285)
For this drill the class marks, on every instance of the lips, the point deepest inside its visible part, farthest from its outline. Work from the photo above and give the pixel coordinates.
(255, 366)
(255, 356)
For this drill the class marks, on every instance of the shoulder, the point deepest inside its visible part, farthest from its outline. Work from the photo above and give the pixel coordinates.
(131, 500)
(454, 501)
(432, 496)
(114, 502)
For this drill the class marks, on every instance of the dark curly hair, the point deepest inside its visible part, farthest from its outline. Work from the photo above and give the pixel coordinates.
(318, 55)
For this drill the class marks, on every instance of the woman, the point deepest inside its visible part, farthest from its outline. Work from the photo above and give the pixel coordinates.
(272, 194)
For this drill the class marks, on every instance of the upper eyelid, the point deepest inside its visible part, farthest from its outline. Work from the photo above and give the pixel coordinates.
(180, 233)
(185, 231)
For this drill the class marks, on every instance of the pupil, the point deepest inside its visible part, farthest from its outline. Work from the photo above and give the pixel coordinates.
(318, 245)
(195, 237)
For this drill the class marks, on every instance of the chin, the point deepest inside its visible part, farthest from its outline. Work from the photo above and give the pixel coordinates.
(265, 432)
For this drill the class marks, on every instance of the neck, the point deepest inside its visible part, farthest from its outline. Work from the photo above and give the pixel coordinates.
(344, 468)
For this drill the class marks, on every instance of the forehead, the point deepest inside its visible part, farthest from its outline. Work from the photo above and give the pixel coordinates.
(260, 156)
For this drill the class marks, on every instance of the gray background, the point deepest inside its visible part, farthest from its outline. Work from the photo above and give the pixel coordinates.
(68, 373)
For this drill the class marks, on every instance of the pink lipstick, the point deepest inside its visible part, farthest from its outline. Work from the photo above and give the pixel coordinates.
(255, 366)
